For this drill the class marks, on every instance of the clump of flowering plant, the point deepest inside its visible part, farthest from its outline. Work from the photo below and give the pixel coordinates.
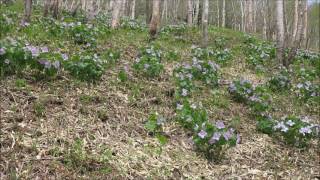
(86, 67)
(211, 139)
(296, 131)
(280, 81)
(206, 71)
(241, 90)
(214, 139)
(307, 90)
(81, 33)
(258, 53)
(16, 55)
(148, 62)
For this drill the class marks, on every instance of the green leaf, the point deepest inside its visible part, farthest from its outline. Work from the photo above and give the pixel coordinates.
(162, 139)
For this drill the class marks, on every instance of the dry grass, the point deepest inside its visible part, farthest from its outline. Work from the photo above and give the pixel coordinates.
(110, 116)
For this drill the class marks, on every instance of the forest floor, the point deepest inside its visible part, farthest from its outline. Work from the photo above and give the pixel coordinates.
(66, 129)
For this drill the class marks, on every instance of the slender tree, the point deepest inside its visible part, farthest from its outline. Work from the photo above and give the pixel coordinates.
(116, 13)
(196, 13)
(250, 16)
(295, 19)
(280, 34)
(133, 9)
(46, 8)
(27, 10)
(148, 11)
(223, 13)
(205, 15)
(155, 19)
(190, 11)
(55, 9)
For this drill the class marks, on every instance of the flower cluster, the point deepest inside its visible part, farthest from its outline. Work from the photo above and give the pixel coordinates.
(210, 138)
(16, 55)
(280, 81)
(176, 30)
(296, 131)
(82, 33)
(241, 90)
(132, 24)
(256, 97)
(86, 67)
(307, 90)
(148, 62)
(258, 53)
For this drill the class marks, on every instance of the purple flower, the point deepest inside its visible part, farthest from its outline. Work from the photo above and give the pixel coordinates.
(189, 76)
(305, 130)
(220, 125)
(160, 120)
(56, 64)
(146, 66)
(64, 57)
(179, 106)
(187, 66)
(281, 126)
(290, 123)
(216, 136)
(47, 65)
(227, 135)
(2, 51)
(238, 139)
(300, 85)
(193, 106)
(35, 52)
(184, 92)
(196, 127)
(232, 88)
(202, 134)
(44, 49)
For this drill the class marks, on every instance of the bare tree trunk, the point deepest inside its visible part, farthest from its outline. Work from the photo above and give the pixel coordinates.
(295, 19)
(280, 34)
(133, 9)
(75, 9)
(55, 9)
(196, 14)
(46, 8)
(305, 29)
(190, 11)
(242, 16)
(155, 18)
(264, 14)
(164, 14)
(223, 13)
(218, 14)
(116, 14)
(300, 35)
(27, 10)
(254, 7)
(148, 11)
(250, 16)
(205, 14)
(111, 5)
